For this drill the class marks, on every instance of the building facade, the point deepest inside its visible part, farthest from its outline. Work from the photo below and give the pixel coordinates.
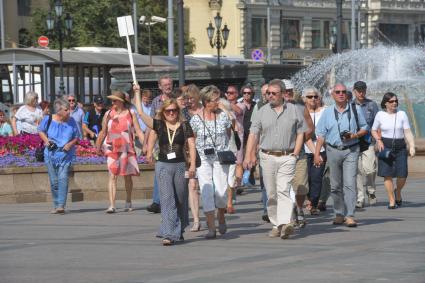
(16, 21)
(301, 31)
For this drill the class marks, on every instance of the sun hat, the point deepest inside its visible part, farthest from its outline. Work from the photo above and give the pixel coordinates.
(117, 95)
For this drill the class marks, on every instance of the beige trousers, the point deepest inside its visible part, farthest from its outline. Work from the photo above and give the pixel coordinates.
(278, 173)
(366, 173)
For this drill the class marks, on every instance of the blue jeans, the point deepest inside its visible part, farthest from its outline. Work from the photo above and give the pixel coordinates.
(155, 196)
(58, 177)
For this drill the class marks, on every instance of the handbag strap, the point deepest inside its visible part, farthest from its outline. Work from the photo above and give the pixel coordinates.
(393, 142)
(208, 130)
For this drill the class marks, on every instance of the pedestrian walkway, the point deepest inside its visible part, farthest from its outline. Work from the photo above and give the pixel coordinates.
(87, 245)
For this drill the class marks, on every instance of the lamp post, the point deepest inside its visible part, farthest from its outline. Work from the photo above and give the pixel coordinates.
(338, 26)
(150, 21)
(333, 38)
(221, 36)
(56, 24)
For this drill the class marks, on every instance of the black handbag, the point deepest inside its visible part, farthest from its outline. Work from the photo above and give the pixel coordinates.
(363, 143)
(226, 157)
(388, 154)
(39, 152)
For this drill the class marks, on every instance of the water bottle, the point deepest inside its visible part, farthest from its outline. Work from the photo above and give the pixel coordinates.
(245, 178)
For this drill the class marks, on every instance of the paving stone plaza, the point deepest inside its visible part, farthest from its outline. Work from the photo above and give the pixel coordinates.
(87, 245)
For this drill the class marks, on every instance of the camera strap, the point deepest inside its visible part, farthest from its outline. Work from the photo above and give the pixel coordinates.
(349, 118)
(208, 130)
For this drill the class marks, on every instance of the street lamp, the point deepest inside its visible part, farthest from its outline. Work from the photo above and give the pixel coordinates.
(150, 21)
(220, 40)
(333, 38)
(56, 24)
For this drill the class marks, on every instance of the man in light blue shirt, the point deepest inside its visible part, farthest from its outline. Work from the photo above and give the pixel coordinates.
(338, 129)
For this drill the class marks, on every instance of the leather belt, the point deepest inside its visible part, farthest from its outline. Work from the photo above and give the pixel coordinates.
(341, 147)
(277, 152)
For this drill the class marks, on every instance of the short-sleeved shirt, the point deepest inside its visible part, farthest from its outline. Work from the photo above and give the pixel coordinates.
(330, 127)
(156, 104)
(27, 119)
(386, 121)
(60, 133)
(211, 134)
(183, 132)
(370, 109)
(5, 130)
(78, 115)
(278, 131)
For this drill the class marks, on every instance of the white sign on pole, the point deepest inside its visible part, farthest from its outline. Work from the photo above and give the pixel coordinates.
(125, 28)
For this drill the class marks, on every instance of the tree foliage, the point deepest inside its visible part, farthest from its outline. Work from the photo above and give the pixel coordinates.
(95, 24)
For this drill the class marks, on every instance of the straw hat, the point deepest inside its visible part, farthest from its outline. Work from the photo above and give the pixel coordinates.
(118, 95)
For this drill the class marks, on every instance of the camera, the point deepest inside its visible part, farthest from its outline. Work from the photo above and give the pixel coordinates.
(52, 146)
(209, 151)
(345, 135)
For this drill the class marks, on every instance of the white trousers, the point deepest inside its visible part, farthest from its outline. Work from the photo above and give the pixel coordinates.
(366, 173)
(212, 177)
(278, 173)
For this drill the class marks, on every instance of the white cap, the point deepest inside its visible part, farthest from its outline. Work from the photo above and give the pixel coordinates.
(288, 84)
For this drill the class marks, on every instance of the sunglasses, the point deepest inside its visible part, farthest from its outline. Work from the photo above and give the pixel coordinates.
(169, 111)
(340, 92)
(312, 96)
(393, 101)
(273, 92)
(71, 100)
(247, 92)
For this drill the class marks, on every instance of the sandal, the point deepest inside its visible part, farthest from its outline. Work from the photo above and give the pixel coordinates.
(196, 227)
(167, 242)
(111, 210)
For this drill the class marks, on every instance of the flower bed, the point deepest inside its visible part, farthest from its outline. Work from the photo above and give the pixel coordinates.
(19, 151)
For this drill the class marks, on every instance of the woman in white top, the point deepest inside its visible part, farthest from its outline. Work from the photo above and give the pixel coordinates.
(395, 132)
(28, 116)
(312, 100)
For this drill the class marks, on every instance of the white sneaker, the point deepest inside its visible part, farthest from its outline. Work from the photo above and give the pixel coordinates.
(128, 207)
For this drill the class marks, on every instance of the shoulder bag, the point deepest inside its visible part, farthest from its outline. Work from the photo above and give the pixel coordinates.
(39, 152)
(186, 150)
(388, 154)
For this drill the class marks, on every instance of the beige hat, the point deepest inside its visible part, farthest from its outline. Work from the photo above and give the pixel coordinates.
(117, 95)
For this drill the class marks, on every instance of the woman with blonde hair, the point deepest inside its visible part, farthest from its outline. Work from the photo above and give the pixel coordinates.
(172, 132)
(117, 140)
(194, 107)
(28, 116)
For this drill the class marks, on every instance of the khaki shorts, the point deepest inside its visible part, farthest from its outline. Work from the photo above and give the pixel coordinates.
(300, 181)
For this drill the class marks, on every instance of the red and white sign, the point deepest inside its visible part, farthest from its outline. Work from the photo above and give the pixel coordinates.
(43, 41)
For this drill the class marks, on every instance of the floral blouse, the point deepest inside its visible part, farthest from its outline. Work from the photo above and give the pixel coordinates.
(212, 134)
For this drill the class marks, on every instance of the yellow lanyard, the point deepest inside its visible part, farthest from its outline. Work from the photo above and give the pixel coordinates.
(171, 138)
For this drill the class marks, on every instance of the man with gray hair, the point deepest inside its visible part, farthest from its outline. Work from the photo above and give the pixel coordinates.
(76, 112)
(338, 128)
(279, 128)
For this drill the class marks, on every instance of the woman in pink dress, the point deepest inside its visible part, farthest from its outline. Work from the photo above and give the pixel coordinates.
(117, 142)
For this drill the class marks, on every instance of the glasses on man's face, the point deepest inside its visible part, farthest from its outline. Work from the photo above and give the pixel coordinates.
(393, 101)
(274, 93)
(312, 96)
(247, 92)
(231, 92)
(71, 100)
(340, 92)
(171, 111)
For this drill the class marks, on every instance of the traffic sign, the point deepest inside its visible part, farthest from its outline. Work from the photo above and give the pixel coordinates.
(43, 41)
(257, 54)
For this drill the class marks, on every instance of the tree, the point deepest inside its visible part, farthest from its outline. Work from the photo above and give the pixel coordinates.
(95, 24)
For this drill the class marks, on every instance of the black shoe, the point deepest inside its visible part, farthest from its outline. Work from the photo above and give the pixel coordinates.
(392, 206)
(399, 202)
(154, 208)
(265, 218)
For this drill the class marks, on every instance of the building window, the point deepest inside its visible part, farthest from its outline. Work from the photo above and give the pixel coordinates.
(24, 7)
(395, 33)
(290, 33)
(320, 34)
(259, 32)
